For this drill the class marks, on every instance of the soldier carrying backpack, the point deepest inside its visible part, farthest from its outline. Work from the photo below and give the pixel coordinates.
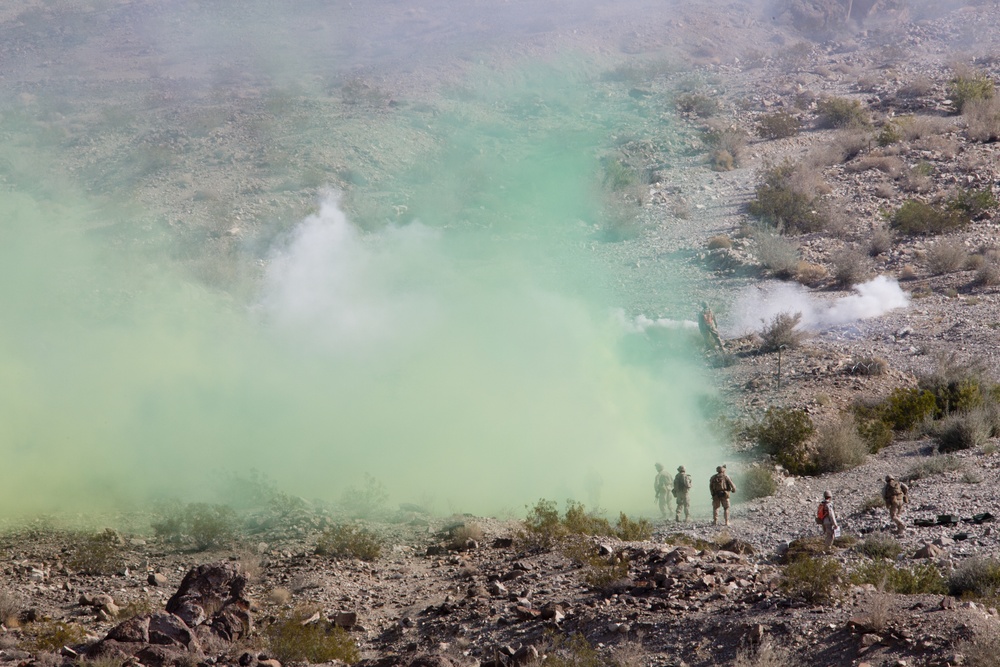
(682, 485)
(895, 494)
(720, 486)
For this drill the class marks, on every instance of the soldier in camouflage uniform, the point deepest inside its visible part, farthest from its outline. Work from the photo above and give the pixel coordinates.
(721, 486)
(706, 324)
(660, 487)
(682, 485)
(895, 494)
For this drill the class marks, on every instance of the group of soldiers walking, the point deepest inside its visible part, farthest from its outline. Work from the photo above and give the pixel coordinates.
(720, 486)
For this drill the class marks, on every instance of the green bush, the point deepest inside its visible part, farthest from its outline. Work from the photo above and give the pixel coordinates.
(782, 203)
(890, 133)
(921, 578)
(543, 528)
(960, 431)
(917, 218)
(814, 579)
(979, 577)
(957, 386)
(972, 203)
(53, 635)
(632, 530)
(100, 554)
(349, 541)
(782, 433)
(905, 408)
(778, 125)
(840, 112)
(969, 87)
(291, 639)
(879, 545)
(618, 175)
(757, 482)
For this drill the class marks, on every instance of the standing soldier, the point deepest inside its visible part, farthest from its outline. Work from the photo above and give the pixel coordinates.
(721, 486)
(826, 517)
(682, 485)
(706, 324)
(660, 486)
(895, 494)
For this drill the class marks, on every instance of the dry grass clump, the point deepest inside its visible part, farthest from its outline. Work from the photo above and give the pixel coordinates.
(988, 269)
(816, 580)
(459, 535)
(880, 242)
(725, 140)
(843, 147)
(785, 199)
(935, 465)
(840, 112)
(982, 119)
(809, 273)
(839, 447)
(720, 241)
(766, 655)
(887, 164)
(349, 541)
(782, 332)
(921, 86)
(699, 104)
(976, 576)
(946, 256)
(776, 253)
(981, 651)
(868, 366)
(879, 546)
(10, 607)
(778, 125)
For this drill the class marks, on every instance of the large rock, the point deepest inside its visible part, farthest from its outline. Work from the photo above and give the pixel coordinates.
(207, 588)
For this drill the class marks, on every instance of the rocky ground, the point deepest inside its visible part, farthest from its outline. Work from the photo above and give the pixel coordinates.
(219, 162)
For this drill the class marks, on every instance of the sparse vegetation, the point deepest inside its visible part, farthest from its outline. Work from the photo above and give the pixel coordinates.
(543, 528)
(207, 525)
(295, 639)
(839, 446)
(935, 465)
(920, 578)
(975, 577)
(776, 253)
(879, 546)
(53, 635)
(982, 119)
(349, 541)
(783, 433)
(365, 502)
(719, 242)
(946, 256)
(782, 202)
(962, 430)
(782, 332)
(850, 267)
(699, 104)
(10, 607)
(778, 125)
(970, 86)
(814, 579)
(919, 218)
(767, 654)
(840, 112)
(757, 482)
(100, 554)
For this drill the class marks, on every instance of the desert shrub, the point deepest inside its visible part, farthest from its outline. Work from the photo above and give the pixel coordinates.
(726, 139)
(957, 385)
(293, 639)
(542, 527)
(720, 241)
(349, 541)
(888, 134)
(210, 525)
(780, 201)
(969, 86)
(767, 654)
(782, 433)
(921, 578)
(850, 267)
(844, 146)
(839, 447)
(699, 104)
(840, 112)
(935, 465)
(988, 272)
(979, 577)
(868, 366)
(757, 482)
(918, 87)
(982, 119)
(972, 203)
(778, 125)
(578, 521)
(633, 530)
(814, 579)
(918, 218)
(962, 430)
(53, 635)
(879, 545)
(782, 333)
(100, 554)
(460, 534)
(10, 607)
(946, 256)
(905, 408)
(880, 242)
(981, 650)
(366, 501)
(776, 253)
(572, 650)
(722, 160)
(618, 175)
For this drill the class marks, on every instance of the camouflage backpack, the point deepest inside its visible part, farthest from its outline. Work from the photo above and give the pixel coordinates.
(717, 485)
(682, 483)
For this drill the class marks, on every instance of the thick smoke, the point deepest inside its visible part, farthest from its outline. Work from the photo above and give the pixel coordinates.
(758, 305)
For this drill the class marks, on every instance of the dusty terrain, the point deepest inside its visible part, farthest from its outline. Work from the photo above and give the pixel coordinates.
(221, 159)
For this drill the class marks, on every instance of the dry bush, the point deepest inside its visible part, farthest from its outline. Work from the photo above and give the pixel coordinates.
(10, 607)
(920, 127)
(722, 160)
(726, 139)
(850, 266)
(885, 191)
(879, 546)
(279, 596)
(839, 447)
(841, 113)
(946, 256)
(982, 119)
(719, 241)
(962, 430)
(816, 580)
(921, 86)
(969, 85)
(349, 541)
(880, 242)
(988, 273)
(699, 104)
(459, 535)
(976, 576)
(878, 611)
(786, 199)
(869, 366)
(757, 482)
(101, 554)
(292, 639)
(778, 125)
(767, 654)
(776, 253)
(916, 180)
(908, 272)
(890, 165)
(808, 273)
(983, 649)
(782, 333)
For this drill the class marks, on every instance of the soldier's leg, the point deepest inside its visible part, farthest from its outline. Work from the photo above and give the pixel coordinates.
(725, 510)
(687, 509)
(715, 511)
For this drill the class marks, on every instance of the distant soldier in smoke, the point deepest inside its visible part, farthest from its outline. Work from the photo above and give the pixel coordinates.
(826, 517)
(682, 486)
(660, 486)
(706, 324)
(720, 486)
(895, 494)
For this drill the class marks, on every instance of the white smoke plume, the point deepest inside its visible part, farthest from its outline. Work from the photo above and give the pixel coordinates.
(756, 304)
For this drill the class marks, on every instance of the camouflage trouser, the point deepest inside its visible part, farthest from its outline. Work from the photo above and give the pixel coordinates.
(682, 503)
(717, 502)
(895, 509)
(828, 535)
(663, 501)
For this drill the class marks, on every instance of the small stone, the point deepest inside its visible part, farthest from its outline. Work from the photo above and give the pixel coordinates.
(156, 579)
